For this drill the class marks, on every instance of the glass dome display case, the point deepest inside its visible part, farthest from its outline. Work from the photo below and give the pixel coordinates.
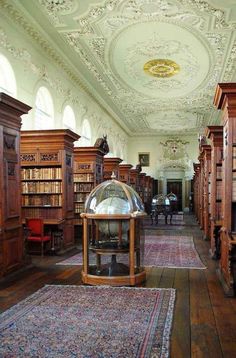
(161, 204)
(173, 202)
(113, 239)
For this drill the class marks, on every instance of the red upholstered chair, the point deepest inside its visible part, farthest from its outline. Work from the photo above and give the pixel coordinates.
(35, 228)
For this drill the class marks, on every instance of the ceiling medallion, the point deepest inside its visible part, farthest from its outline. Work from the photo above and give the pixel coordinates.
(161, 68)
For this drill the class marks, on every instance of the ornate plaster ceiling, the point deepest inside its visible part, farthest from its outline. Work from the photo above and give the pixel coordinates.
(110, 41)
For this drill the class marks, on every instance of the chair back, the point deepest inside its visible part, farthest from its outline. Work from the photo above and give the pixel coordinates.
(35, 225)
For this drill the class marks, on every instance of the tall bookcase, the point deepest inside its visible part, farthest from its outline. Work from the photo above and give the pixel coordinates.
(47, 180)
(215, 134)
(111, 165)
(124, 170)
(88, 172)
(141, 186)
(225, 100)
(196, 189)
(134, 179)
(11, 238)
(206, 190)
(201, 186)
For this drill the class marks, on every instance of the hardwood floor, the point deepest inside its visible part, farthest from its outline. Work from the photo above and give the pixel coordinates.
(204, 319)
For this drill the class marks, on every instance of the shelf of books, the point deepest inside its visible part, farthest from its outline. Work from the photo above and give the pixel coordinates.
(148, 193)
(88, 173)
(201, 188)
(111, 167)
(215, 134)
(47, 180)
(206, 190)
(12, 255)
(196, 188)
(225, 99)
(124, 170)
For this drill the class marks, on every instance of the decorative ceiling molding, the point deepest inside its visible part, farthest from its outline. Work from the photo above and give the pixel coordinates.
(17, 17)
(113, 39)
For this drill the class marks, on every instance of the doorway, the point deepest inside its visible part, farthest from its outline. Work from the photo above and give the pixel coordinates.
(175, 186)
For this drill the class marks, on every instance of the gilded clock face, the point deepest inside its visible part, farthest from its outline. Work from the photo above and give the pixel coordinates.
(161, 68)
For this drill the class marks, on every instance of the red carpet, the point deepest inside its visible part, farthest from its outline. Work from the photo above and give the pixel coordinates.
(160, 251)
(95, 322)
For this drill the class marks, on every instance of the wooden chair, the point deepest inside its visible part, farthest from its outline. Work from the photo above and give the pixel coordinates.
(35, 229)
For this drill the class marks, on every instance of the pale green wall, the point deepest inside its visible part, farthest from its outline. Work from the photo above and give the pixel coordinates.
(153, 146)
(34, 68)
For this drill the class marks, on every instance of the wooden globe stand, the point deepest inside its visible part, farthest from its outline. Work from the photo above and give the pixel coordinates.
(113, 273)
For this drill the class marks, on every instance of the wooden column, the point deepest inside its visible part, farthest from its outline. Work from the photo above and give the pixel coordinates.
(215, 134)
(11, 238)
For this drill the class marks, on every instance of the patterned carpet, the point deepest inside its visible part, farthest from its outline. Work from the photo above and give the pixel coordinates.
(160, 251)
(91, 322)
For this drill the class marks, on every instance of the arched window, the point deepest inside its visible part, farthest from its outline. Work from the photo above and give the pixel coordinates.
(85, 139)
(69, 118)
(44, 112)
(7, 77)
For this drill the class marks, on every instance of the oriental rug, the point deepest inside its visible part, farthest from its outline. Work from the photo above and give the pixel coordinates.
(159, 251)
(95, 322)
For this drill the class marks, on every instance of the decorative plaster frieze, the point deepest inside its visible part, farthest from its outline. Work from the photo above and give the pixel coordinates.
(55, 8)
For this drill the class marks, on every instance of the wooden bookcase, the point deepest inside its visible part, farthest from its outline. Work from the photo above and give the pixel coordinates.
(111, 165)
(225, 100)
(88, 173)
(201, 186)
(47, 180)
(147, 193)
(196, 190)
(215, 134)
(134, 179)
(141, 186)
(206, 190)
(11, 238)
(124, 170)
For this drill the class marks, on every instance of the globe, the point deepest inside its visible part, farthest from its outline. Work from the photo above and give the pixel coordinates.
(113, 205)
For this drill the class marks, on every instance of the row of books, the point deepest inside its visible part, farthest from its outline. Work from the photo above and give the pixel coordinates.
(83, 177)
(79, 208)
(218, 190)
(80, 197)
(41, 187)
(218, 172)
(218, 212)
(41, 173)
(234, 190)
(41, 200)
(83, 187)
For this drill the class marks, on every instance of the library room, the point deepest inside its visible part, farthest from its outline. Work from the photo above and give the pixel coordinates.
(117, 178)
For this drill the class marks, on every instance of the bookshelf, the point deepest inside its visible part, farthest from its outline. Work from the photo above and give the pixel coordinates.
(111, 165)
(148, 193)
(47, 180)
(201, 186)
(11, 238)
(196, 188)
(206, 190)
(124, 170)
(141, 186)
(88, 173)
(134, 179)
(225, 100)
(215, 134)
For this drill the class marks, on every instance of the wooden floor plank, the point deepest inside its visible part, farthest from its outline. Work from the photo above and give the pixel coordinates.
(204, 336)
(181, 344)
